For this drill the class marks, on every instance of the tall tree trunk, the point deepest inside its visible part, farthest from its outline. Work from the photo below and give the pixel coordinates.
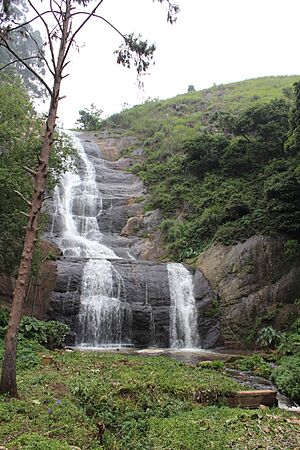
(8, 377)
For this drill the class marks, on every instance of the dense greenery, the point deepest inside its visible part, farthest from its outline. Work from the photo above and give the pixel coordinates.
(222, 164)
(97, 400)
(20, 134)
(89, 118)
(50, 334)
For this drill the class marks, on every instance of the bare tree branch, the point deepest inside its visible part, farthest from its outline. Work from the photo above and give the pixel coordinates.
(27, 169)
(29, 21)
(40, 51)
(54, 13)
(6, 45)
(22, 197)
(104, 20)
(80, 27)
(48, 34)
(17, 60)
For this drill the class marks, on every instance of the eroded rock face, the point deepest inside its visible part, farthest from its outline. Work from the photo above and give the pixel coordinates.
(254, 284)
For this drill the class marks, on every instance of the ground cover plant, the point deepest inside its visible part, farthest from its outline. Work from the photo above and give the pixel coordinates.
(115, 401)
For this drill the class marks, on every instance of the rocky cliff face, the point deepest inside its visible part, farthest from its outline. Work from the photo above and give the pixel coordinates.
(255, 285)
(133, 236)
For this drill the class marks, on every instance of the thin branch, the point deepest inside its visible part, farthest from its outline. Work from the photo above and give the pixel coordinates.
(48, 33)
(104, 20)
(47, 198)
(24, 214)
(27, 169)
(25, 64)
(40, 51)
(54, 14)
(22, 197)
(30, 21)
(80, 27)
(17, 60)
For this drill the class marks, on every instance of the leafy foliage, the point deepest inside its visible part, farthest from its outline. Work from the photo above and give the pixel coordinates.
(50, 334)
(267, 337)
(254, 363)
(287, 377)
(28, 44)
(90, 119)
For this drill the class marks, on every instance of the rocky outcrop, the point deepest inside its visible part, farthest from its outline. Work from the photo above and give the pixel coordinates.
(144, 287)
(255, 285)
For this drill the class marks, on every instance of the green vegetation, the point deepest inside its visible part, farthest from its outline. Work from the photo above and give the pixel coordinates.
(114, 401)
(285, 353)
(287, 376)
(254, 363)
(20, 141)
(222, 164)
(90, 119)
(50, 334)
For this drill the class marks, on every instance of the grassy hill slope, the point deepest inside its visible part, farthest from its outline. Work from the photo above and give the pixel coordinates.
(222, 164)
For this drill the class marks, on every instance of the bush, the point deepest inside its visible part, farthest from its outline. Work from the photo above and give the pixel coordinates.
(267, 337)
(55, 334)
(3, 321)
(49, 334)
(253, 363)
(287, 377)
(289, 343)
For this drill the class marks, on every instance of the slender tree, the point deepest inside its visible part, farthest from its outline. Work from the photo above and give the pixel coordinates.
(69, 17)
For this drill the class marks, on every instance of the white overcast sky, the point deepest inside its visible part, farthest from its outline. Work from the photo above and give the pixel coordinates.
(213, 41)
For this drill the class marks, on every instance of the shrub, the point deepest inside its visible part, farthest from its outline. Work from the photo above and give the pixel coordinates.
(287, 377)
(289, 343)
(267, 337)
(49, 334)
(253, 363)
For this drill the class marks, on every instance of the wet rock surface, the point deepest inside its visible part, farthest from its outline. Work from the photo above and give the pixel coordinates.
(134, 237)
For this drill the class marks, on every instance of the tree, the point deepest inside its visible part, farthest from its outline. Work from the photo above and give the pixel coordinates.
(28, 44)
(69, 17)
(191, 88)
(90, 119)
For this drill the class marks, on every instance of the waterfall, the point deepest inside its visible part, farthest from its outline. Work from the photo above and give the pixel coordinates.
(78, 204)
(101, 311)
(183, 315)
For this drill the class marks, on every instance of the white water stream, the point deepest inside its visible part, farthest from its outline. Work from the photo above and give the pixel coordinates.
(102, 315)
(183, 314)
(78, 202)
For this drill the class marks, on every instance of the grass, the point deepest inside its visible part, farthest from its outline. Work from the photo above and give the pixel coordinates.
(144, 403)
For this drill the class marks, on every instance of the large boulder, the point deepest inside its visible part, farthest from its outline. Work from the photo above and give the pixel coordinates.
(254, 284)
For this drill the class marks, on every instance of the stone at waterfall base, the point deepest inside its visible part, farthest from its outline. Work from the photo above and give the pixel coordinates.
(253, 399)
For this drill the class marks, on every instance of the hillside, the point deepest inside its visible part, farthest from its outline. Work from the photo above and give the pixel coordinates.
(222, 164)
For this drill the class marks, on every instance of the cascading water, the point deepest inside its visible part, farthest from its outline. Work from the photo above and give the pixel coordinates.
(97, 310)
(78, 203)
(183, 315)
